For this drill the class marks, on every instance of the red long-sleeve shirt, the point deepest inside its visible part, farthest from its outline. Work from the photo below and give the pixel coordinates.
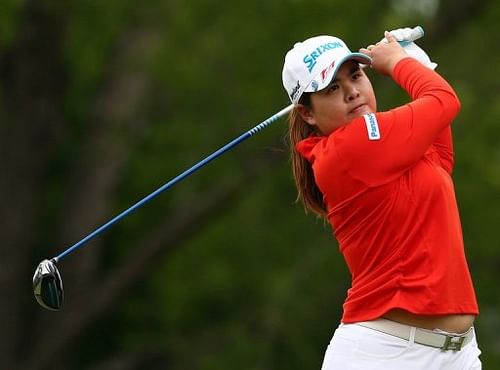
(386, 181)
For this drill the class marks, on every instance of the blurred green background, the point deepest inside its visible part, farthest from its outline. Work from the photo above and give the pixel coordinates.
(101, 102)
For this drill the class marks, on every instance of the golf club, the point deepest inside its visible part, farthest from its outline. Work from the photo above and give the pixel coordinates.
(47, 282)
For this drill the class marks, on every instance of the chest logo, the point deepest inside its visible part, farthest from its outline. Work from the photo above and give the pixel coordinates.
(372, 126)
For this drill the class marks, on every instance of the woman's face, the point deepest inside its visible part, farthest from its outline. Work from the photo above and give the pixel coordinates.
(348, 96)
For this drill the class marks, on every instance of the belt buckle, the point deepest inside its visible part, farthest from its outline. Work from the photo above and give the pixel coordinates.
(453, 343)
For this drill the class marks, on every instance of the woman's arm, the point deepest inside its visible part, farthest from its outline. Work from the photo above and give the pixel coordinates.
(406, 132)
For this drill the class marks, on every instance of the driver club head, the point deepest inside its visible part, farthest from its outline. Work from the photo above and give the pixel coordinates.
(47, 286)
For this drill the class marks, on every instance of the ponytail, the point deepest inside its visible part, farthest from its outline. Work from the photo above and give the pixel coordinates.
(307, 190)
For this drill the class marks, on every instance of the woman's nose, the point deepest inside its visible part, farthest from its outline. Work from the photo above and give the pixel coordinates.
(351, 93)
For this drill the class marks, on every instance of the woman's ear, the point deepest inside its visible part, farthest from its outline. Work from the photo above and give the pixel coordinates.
(306, 114)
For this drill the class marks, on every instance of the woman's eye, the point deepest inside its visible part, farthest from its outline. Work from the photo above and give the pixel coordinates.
(356, 75)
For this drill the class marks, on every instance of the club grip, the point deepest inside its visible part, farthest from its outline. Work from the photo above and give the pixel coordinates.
(416, 33)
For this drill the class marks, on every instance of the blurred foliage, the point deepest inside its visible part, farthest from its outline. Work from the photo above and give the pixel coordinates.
(144, 91)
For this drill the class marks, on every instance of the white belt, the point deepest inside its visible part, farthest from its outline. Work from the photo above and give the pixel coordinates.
(444, 341)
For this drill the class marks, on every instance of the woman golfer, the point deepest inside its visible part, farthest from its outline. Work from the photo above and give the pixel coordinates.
(382, 180)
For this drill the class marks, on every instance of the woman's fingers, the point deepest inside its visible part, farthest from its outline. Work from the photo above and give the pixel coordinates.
(389, 37)
(365, 51)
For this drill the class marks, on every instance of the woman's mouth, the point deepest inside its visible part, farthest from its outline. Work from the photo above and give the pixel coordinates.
(359, 109)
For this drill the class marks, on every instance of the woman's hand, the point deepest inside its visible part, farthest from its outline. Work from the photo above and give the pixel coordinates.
(385, 55)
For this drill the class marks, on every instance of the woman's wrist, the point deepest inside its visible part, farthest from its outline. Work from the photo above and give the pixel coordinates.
(391, 65)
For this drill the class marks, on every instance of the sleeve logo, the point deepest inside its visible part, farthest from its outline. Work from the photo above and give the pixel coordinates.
(372, 126)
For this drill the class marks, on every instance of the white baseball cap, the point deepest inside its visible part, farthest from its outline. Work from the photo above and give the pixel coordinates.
(312, 64)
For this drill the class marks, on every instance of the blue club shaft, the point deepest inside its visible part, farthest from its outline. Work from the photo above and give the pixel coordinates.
(174, 181)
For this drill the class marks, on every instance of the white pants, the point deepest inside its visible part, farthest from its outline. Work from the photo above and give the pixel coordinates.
(355, 347)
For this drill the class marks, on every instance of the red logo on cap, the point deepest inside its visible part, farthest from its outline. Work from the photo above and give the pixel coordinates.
(325, 72)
